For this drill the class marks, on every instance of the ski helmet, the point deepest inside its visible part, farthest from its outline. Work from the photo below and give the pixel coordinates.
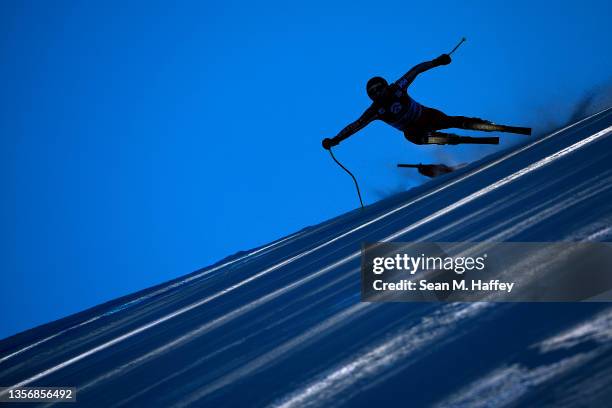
(375, 87)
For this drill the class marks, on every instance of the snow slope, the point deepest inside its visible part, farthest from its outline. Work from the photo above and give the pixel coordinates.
(282, 325)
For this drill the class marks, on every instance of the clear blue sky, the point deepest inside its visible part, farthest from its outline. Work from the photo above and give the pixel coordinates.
(143, 140)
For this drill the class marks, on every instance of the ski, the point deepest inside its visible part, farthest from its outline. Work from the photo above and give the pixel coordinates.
(492, 127)
(442, 138)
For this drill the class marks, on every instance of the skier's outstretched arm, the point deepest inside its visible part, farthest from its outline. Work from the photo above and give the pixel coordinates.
(368, 116)
(405, 81)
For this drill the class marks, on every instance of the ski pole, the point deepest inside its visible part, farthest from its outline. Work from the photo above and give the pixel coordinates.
(350, 174)
(457, 46)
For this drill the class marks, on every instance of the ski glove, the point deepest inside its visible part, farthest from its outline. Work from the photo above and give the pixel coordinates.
(443, 59)
(328, 143)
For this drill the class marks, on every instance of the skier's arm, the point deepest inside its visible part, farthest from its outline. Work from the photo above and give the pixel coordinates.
(405, 81)
(368, 116)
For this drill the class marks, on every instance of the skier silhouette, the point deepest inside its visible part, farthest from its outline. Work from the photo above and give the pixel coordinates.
(393, 105)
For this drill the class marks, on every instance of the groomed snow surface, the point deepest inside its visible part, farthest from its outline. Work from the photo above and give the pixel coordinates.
(282, 325)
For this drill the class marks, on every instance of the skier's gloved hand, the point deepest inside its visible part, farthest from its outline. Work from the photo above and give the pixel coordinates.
(443, 59)
(328, 143)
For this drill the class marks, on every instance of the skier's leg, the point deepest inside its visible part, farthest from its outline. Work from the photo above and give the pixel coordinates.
(433, 119)
(421, 137)
(416, 135)
(464, 122)
(478, 140)
(448, 138)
